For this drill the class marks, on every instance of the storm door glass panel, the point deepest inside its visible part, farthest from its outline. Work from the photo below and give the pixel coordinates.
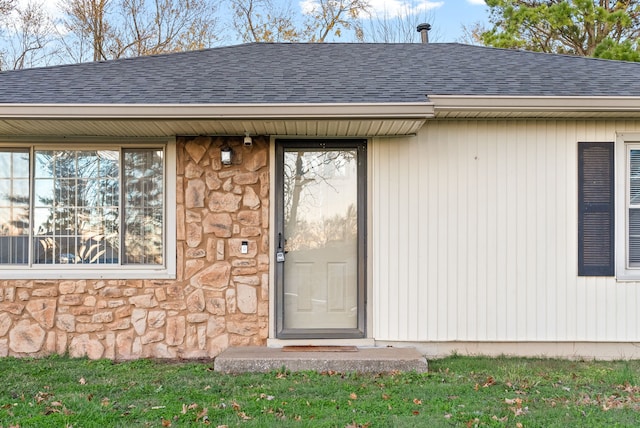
(144, 222)
(76, 206)
(14, 206)
(321, 231)
(634, 209)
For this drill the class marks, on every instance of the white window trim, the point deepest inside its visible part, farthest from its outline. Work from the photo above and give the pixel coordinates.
(165, 271)
(624, 142)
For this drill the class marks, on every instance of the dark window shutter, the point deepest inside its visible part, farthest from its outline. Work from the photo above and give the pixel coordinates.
(595, 209)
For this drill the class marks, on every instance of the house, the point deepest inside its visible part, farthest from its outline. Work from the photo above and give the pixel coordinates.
(448, 197)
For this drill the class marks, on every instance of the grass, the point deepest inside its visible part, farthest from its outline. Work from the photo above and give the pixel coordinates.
(458, 391)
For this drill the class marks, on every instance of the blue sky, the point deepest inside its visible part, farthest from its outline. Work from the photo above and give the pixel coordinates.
(450, 15)
(446, 16)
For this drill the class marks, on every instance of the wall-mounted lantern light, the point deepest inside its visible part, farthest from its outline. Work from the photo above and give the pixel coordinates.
(225, 155)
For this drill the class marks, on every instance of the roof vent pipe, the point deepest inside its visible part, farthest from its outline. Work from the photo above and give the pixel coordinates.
(423, 29)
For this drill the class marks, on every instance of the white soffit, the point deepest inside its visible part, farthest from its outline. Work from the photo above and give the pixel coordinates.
(168, 120)
(467, 106)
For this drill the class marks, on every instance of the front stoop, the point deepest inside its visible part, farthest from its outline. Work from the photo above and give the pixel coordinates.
(259, 359)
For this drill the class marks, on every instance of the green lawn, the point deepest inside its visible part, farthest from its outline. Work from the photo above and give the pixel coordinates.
(458, 391)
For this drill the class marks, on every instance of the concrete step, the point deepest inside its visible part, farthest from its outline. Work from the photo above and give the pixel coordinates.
(258, 359)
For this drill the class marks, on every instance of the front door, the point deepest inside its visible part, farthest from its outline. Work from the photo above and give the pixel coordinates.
(320, 238)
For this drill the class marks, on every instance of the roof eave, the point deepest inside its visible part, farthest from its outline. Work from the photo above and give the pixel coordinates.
(145, 120)
(291, 111)
(460, 106)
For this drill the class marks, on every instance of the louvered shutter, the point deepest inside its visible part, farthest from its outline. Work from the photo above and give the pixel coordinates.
(595, 209)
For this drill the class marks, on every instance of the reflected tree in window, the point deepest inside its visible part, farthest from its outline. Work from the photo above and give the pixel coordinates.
(143, 203)
(77, 206)
(14, 206)
(315, 218)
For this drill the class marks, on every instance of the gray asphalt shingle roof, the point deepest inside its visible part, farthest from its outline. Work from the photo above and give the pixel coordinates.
(321, 73)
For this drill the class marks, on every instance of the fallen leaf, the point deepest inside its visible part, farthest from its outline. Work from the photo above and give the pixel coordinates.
(104, 402)
(235, 406)
(42, 396)
(244, 417)
(82, 381)
(385, 397)
(267, 397)
(202, 414)
(416, 401)
(447, 415)
(166, 422)
(490, 381)
(56, 404)
(353, 396)
(192, 406)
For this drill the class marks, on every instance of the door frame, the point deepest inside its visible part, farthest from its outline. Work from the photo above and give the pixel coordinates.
(322, 333)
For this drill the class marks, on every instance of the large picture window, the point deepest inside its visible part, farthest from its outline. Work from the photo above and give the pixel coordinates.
(92, 209)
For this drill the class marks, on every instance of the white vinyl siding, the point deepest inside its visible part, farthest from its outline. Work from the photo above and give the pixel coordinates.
(474, 236)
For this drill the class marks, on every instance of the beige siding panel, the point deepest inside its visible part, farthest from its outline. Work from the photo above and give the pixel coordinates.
(474, 236)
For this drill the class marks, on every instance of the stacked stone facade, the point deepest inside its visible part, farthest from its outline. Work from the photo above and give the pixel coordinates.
(218, 299)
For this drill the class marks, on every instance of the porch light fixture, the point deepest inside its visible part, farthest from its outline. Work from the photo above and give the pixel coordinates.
(225, 155)
(248, 141)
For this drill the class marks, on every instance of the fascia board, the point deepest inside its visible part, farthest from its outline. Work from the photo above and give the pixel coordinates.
(218, 111)
(510, 104)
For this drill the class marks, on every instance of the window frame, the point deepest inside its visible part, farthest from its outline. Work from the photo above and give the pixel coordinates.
(625, 142)
(166, 270)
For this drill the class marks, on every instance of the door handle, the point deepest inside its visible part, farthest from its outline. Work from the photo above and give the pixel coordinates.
(280, 252)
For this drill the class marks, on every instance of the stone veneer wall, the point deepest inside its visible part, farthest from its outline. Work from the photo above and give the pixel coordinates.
(219, 298)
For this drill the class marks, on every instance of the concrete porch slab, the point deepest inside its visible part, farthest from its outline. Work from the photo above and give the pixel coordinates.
(260, 359)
